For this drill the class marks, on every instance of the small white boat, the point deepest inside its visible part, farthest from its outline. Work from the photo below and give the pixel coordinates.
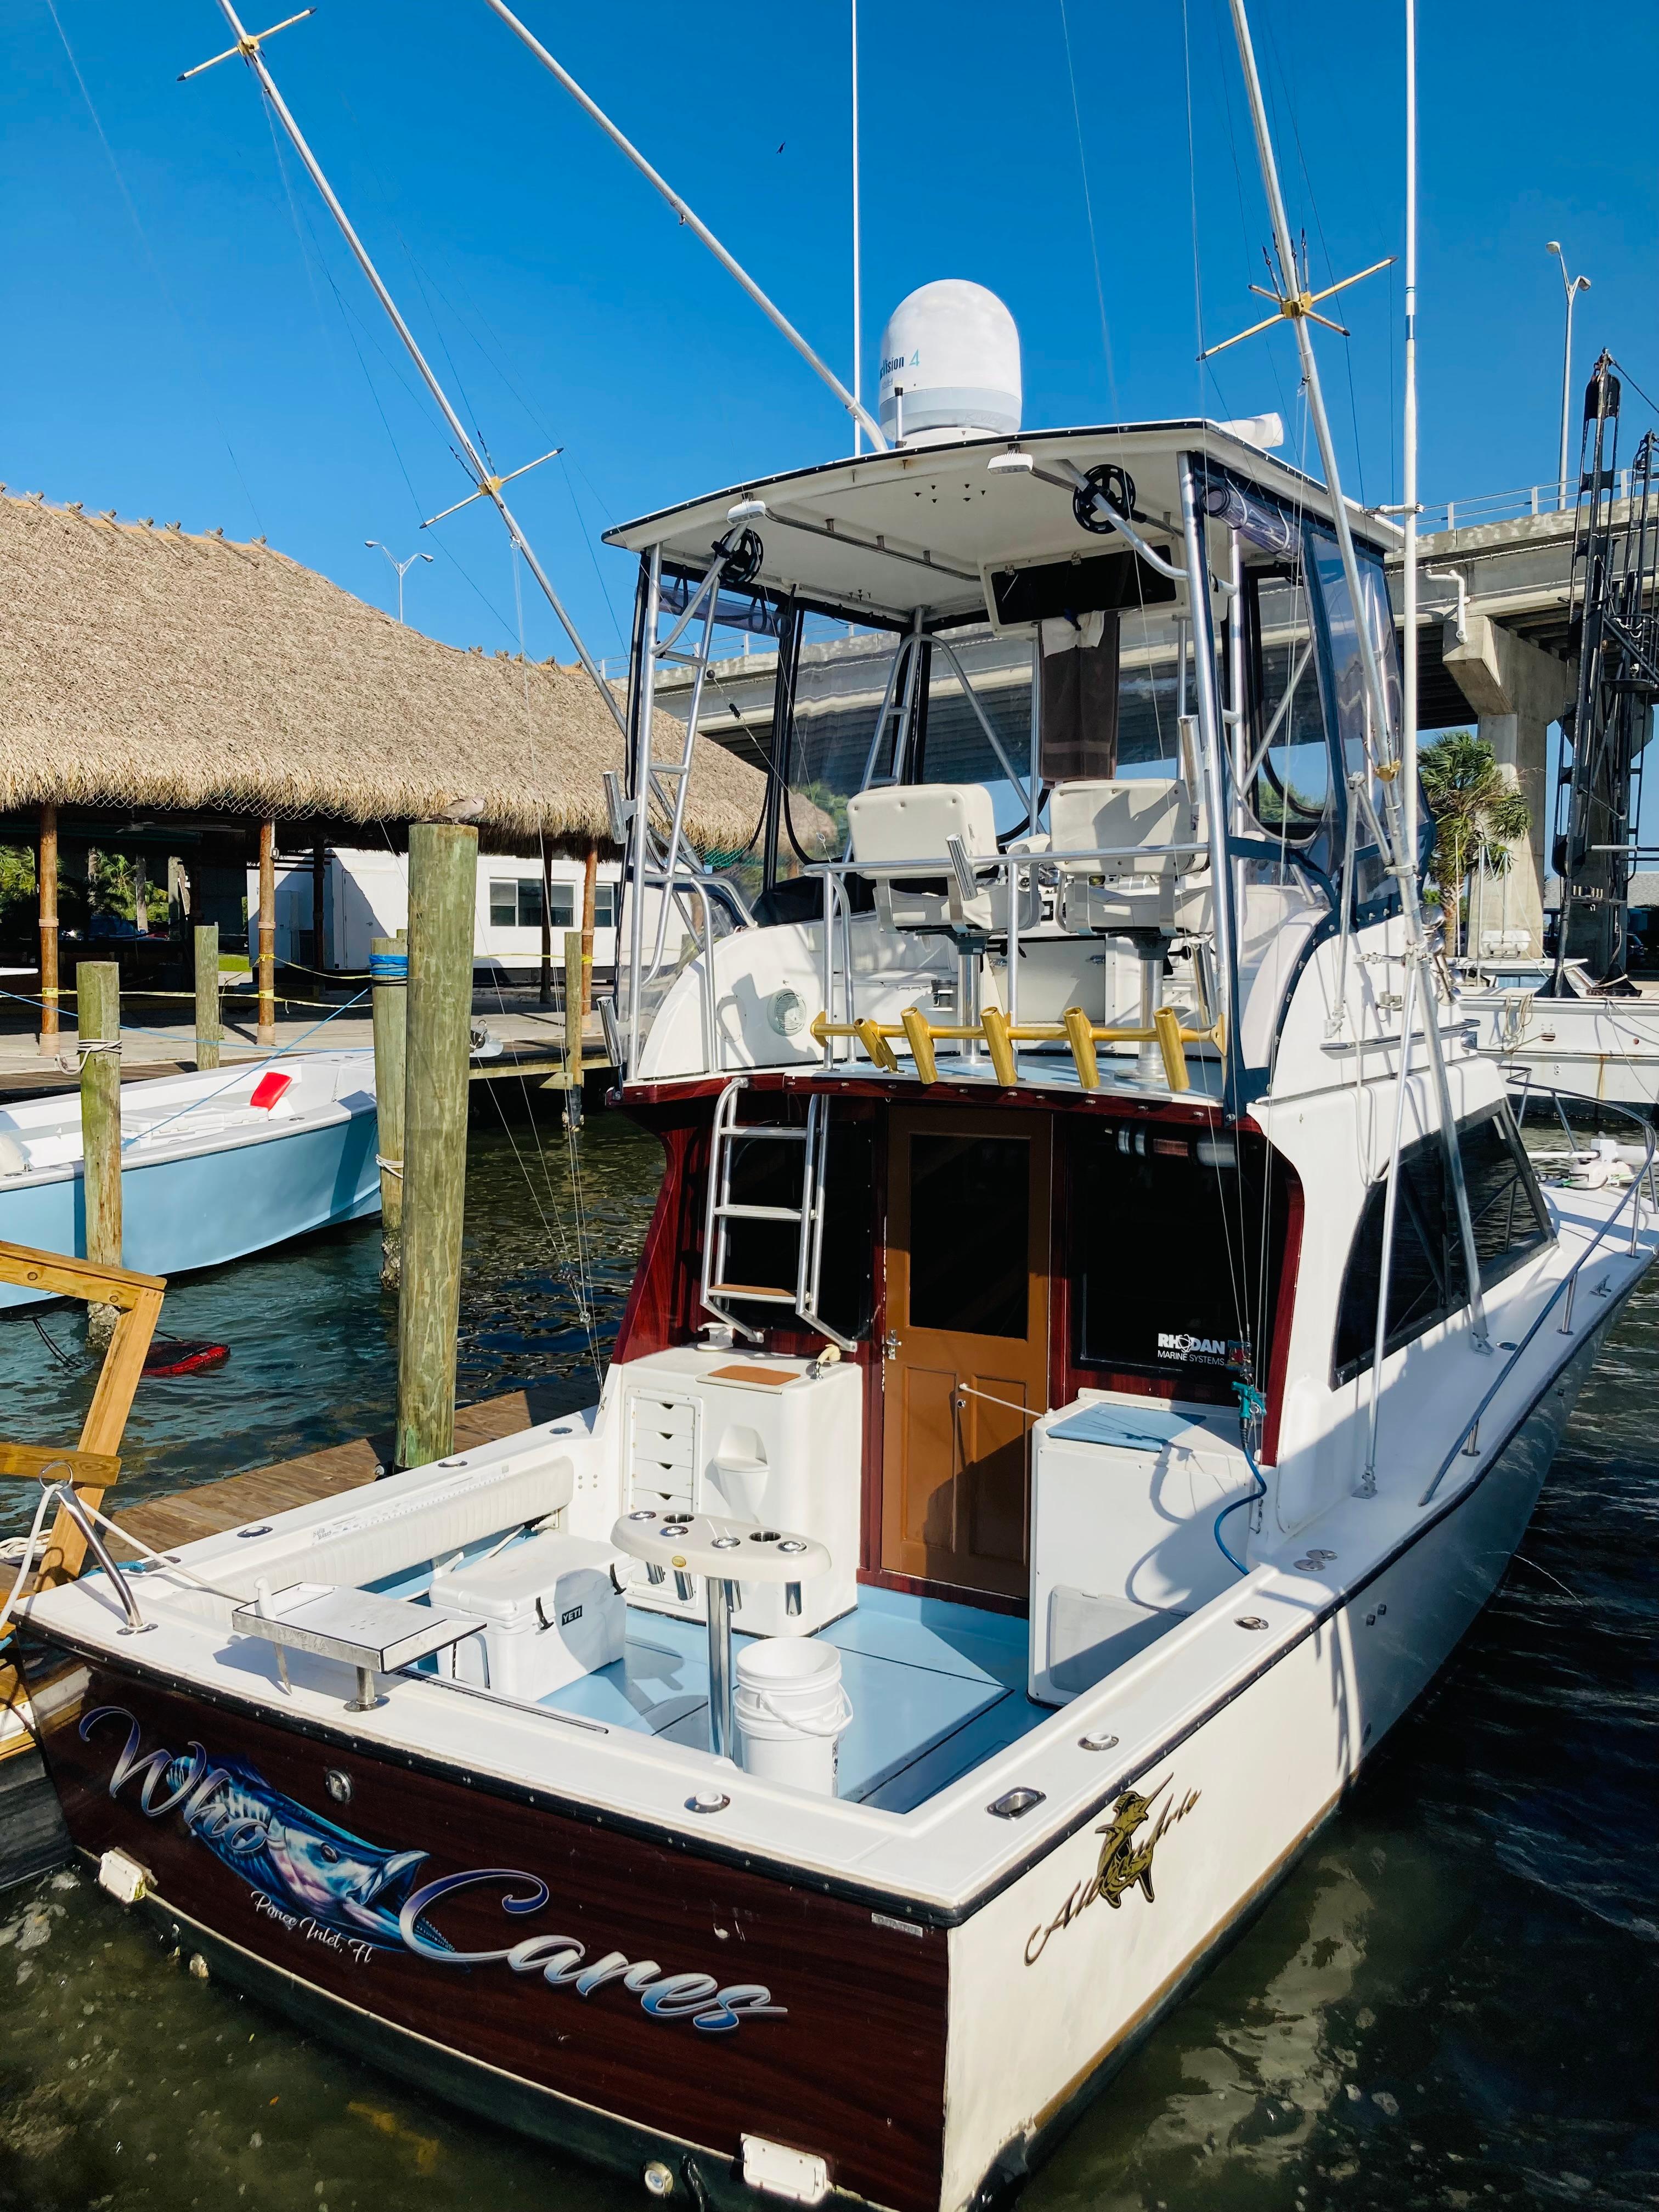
(1602, 1047)
(213, 1165)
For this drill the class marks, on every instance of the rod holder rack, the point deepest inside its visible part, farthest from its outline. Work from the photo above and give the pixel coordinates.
(1000, 1036)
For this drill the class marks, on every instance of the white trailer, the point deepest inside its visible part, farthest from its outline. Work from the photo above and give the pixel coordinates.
(366, 895)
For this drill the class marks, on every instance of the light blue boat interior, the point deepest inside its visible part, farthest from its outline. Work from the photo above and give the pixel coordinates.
(935, 1688)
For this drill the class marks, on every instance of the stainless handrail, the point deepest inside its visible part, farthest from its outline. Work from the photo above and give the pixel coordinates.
(65, 1494)
(1567, 1284)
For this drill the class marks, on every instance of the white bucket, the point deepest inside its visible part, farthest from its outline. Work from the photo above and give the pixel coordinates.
(791, 1709)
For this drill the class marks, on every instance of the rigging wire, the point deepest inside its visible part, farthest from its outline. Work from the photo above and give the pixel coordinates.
(1089, 210)
(155, 267)
(1290, 108)
(303, 230)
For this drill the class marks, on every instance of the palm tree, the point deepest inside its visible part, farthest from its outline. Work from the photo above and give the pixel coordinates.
(1479, 816)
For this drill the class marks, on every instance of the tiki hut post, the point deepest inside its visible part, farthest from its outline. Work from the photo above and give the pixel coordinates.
(267, 957)
(443, 868)
(590, 880)
(573, 1029)
(319, 906)
(546, 994)
(47, 879)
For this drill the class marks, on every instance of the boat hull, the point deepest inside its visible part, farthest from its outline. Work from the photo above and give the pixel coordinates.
(892, 2057)
(201, 1208)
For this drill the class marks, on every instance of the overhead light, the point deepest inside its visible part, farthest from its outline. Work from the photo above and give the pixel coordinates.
(1010, 464)
(747, 510)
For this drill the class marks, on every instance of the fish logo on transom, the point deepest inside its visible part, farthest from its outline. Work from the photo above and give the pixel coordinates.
(330, 1886)
(1125, 1863)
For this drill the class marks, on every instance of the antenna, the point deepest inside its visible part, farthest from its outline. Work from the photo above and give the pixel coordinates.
(858, 258)
(1401, 862)
(1409, 486)
(488, 485)
(693, 221)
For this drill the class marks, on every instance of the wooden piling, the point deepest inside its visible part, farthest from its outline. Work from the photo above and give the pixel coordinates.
(210, 1029)
(573, 940)
(389, 958)
(590, 884)
(443, 859)
(266, 961)
(98, 1022)
(47, 886)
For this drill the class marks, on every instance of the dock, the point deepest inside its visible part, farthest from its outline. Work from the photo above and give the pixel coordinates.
(184, 1516)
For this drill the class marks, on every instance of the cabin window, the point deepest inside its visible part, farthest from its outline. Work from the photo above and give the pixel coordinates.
(515, 902)
(1426, 1278)
(605, 906)
(1176, 1251)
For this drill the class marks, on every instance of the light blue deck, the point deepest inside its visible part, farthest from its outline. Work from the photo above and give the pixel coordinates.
(935, 1688)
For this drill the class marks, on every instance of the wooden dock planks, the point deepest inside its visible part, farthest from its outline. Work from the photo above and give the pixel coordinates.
(187, 1514)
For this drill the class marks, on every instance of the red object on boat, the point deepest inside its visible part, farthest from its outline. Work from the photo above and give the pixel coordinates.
(184, 1355)
(269, 1088)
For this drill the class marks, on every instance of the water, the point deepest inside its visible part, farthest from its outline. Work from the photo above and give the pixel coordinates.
(312, 1337)
(1451, 2002)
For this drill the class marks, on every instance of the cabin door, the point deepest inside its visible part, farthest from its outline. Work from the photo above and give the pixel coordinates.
(967, 1299)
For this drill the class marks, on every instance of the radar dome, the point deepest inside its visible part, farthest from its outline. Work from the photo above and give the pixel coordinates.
(950, 365)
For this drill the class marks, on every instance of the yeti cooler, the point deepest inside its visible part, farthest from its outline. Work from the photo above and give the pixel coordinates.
(553, 1612)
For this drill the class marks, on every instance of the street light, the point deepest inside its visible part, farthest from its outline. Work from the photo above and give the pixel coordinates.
(373, 545)
(1572, 286)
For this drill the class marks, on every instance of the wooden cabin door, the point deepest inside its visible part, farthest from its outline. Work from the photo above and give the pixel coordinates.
(967, 1299)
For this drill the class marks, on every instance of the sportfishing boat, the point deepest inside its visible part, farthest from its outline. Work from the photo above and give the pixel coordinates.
(213, 1165)
(1099, 1342)
(1100, 1339)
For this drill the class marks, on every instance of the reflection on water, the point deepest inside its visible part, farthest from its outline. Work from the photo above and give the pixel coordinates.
(1449, 2002)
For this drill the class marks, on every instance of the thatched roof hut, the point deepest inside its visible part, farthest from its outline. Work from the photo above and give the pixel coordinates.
(154, 669)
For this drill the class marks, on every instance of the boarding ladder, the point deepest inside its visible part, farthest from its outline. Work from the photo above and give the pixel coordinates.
(808, 1216)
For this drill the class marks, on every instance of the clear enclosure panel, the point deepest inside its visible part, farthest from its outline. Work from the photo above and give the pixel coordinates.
(1349, 705)
(979, 722)
(844, 690)
(1115, 687)
(1285, 759)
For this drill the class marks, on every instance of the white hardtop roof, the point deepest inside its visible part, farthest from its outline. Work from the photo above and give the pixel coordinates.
(917, 526)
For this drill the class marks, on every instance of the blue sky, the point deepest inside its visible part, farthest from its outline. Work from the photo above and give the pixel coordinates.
(189, 340)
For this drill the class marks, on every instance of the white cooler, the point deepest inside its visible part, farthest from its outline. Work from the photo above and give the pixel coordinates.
(555, 1612)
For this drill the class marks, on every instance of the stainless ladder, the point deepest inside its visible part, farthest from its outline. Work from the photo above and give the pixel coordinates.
(808, 1216)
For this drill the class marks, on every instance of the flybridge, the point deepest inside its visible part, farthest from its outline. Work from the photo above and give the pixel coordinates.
(1089, 867)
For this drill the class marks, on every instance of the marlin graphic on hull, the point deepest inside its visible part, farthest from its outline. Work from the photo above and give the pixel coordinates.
(280, 1848)
(295, 1855)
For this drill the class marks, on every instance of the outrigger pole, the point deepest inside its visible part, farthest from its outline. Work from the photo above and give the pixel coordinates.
(488, 483)
(1400, 860)
(693, 221)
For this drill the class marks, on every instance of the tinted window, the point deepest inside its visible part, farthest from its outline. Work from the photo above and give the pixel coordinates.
(1426, 1277)
(970, 1234)
(1175, 1255)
